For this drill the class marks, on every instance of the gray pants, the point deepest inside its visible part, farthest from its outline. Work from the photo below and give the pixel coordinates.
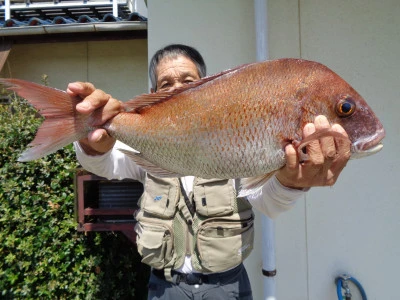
(232, 284)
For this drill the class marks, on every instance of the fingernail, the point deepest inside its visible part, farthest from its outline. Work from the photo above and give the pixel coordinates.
(321, 120)
(337, 127)
(309, 128)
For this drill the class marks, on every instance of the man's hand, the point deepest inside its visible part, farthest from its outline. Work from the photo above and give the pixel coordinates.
(326, 158)
(102, 108)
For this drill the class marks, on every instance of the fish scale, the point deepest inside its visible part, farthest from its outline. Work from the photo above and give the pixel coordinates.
(234, 124)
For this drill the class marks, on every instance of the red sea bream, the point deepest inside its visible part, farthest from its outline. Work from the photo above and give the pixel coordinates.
(231, 125)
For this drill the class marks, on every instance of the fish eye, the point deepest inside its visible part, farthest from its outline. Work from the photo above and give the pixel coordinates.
(345, 107)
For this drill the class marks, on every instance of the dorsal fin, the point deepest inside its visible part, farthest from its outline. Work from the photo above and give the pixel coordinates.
(139, 102)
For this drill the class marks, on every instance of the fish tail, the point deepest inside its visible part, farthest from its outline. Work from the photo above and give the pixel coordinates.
(61, 126)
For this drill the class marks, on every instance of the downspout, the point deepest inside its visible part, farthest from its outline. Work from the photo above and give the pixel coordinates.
(115, 8)
(7, 13)
(268, 226)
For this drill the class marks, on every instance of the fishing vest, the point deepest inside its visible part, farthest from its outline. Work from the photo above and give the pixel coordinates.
(211, 225)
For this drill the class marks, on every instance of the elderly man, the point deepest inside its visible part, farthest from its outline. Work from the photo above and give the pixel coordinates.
(193, 251)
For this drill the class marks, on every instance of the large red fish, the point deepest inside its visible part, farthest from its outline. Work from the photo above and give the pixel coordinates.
(231, 125)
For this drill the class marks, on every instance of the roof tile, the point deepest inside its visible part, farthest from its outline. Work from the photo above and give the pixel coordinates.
(52, 15)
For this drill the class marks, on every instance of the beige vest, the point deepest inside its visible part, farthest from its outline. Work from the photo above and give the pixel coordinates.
(218, 234)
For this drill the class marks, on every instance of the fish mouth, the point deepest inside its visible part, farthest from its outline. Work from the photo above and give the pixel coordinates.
(369, 145)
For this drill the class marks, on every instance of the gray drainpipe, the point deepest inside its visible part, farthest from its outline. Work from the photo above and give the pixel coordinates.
(268, 226)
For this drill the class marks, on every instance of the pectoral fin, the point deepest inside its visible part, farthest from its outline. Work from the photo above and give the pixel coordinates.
(253, 185)
(147, 165)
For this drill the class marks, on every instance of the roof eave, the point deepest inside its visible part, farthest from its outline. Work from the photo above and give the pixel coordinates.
(73, 28)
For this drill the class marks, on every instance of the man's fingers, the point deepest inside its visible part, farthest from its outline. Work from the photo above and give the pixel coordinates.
(108, 111)
(100, 107)
(97, 142)
(97, 136)
(92, 102)
(92, 98)
(343, 145)
(97, 99)
(327, 144)
(81, 89)
(315, 155)
(343, 148)
(327, 156)
(100, 141)
(292, 159)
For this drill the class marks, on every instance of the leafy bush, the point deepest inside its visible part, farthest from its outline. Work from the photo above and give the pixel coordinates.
(42, 256)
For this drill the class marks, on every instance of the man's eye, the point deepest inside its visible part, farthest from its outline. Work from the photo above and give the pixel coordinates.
(165, 86)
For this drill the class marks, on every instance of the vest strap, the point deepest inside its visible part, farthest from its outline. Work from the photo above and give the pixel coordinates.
(188, 202)
(185, 211)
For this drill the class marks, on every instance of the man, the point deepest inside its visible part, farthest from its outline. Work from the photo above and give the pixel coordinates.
(194, 232)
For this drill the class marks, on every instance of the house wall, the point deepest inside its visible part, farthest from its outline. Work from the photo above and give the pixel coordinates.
(118, 67)
(353, 226)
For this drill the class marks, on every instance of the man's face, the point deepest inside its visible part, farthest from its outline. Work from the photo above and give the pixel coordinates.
(174, 72)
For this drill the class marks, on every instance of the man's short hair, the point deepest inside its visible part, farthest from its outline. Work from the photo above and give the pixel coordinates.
(173, 51)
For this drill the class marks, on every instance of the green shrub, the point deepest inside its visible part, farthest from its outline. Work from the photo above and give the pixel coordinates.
(42, 256)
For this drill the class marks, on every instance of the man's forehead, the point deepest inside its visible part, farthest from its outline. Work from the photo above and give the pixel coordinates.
(181, 65)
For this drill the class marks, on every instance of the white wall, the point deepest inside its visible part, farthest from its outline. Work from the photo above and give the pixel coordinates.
(222, 30)
(354, 226)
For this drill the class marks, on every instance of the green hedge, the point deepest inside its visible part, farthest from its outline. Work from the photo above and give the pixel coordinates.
(42, 254)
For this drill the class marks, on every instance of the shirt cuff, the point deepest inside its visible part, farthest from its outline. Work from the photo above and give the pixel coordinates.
(276, 198)
(281, 193)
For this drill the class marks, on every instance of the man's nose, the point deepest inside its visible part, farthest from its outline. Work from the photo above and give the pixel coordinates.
(177, 85)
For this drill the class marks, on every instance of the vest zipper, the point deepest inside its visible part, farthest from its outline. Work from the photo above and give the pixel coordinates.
(189, 225)
(221, 221)
(189, 222)
(225, 219)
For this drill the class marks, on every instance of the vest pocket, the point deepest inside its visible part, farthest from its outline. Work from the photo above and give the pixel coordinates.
(160, 196)
(223, 244)
(154, 243)
(214, 197)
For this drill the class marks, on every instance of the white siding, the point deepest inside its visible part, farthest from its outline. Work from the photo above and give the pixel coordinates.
(354, 226)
